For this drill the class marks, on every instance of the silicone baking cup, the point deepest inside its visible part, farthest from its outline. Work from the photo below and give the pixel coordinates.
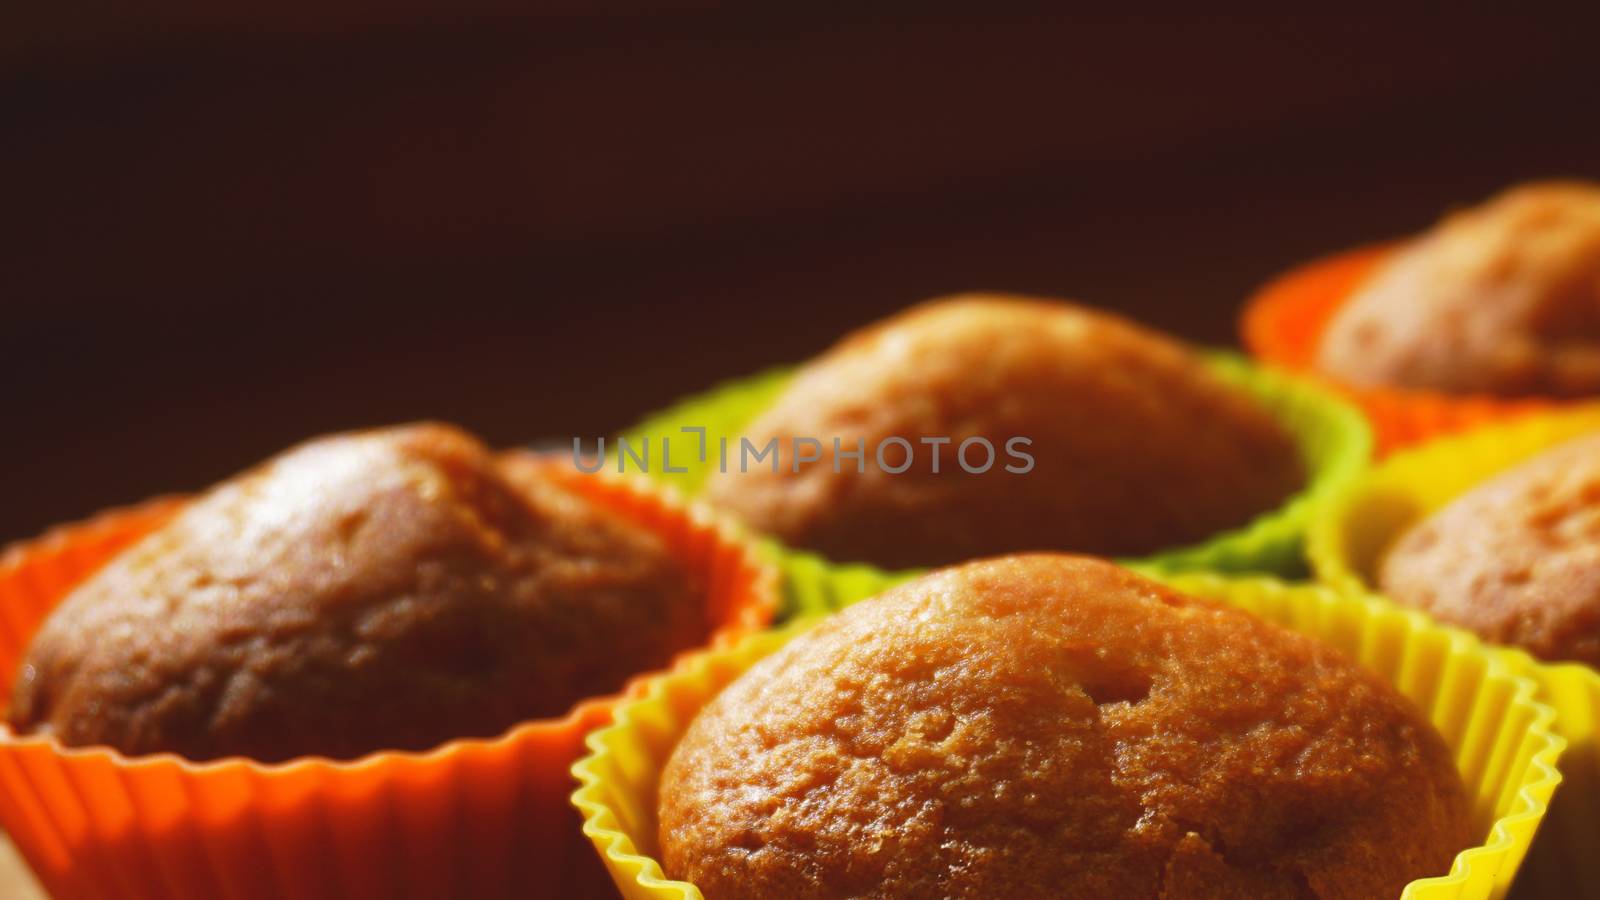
(1346, 545)
(1487, 712)
(473, 818)
(1283, 325)
(1333, 439)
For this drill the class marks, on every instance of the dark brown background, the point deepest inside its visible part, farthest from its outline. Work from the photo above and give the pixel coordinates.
(226, 229)
(227, 226)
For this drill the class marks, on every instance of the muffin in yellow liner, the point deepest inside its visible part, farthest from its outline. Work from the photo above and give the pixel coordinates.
(1332, 436)
(1346, 545)
(1486, 711)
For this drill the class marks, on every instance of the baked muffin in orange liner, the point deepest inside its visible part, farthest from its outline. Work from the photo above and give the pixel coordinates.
(1283, 325)
(479, 818)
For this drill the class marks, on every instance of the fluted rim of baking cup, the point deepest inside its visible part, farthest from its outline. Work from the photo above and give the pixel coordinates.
(707, 673)
(1283, 322)
(1332, 436)
(755, 612)
(1499, 733)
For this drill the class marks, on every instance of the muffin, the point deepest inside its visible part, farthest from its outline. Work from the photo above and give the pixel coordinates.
(1516, 559)
(392, 589)
(1501, 299)
(994, 424)
(1055, 726)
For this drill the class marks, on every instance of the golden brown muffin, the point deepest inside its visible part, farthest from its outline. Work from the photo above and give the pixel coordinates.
(1136, 446)
(1501, 299)
(1055, 726)
(392, 589)
(1516, 559)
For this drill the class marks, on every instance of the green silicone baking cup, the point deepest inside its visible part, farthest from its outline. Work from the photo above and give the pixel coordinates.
(1333, 437)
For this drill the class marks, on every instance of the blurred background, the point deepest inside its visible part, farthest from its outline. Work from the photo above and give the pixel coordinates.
(231, 226)
(227, 227)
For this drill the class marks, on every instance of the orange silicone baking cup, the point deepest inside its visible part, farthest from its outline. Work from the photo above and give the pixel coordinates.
(1283, 325)
(479, 818)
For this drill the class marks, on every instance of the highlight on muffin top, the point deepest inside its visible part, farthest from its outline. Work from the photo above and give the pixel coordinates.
(1516, 559)
(385, 590)
(1502, 298)
(1056, 726)
(1125, 441)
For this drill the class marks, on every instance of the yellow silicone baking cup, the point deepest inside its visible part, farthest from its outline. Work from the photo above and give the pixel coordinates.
(1487, 712)
(1333, 437)
(1346, 544)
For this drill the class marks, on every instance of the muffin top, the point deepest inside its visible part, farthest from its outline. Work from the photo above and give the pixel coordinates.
(391, 589)
(1516, 559)
(1055, 726)
(1503, 299)
(1132, 444)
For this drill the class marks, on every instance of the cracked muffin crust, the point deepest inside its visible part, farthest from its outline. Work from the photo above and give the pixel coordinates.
(385, 590)
(1516, 559)
(1056, 726)
(1136, 445)
(1503, 299)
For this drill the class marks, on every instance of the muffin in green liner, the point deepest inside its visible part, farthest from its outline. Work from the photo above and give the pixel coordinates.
(1333, 438)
